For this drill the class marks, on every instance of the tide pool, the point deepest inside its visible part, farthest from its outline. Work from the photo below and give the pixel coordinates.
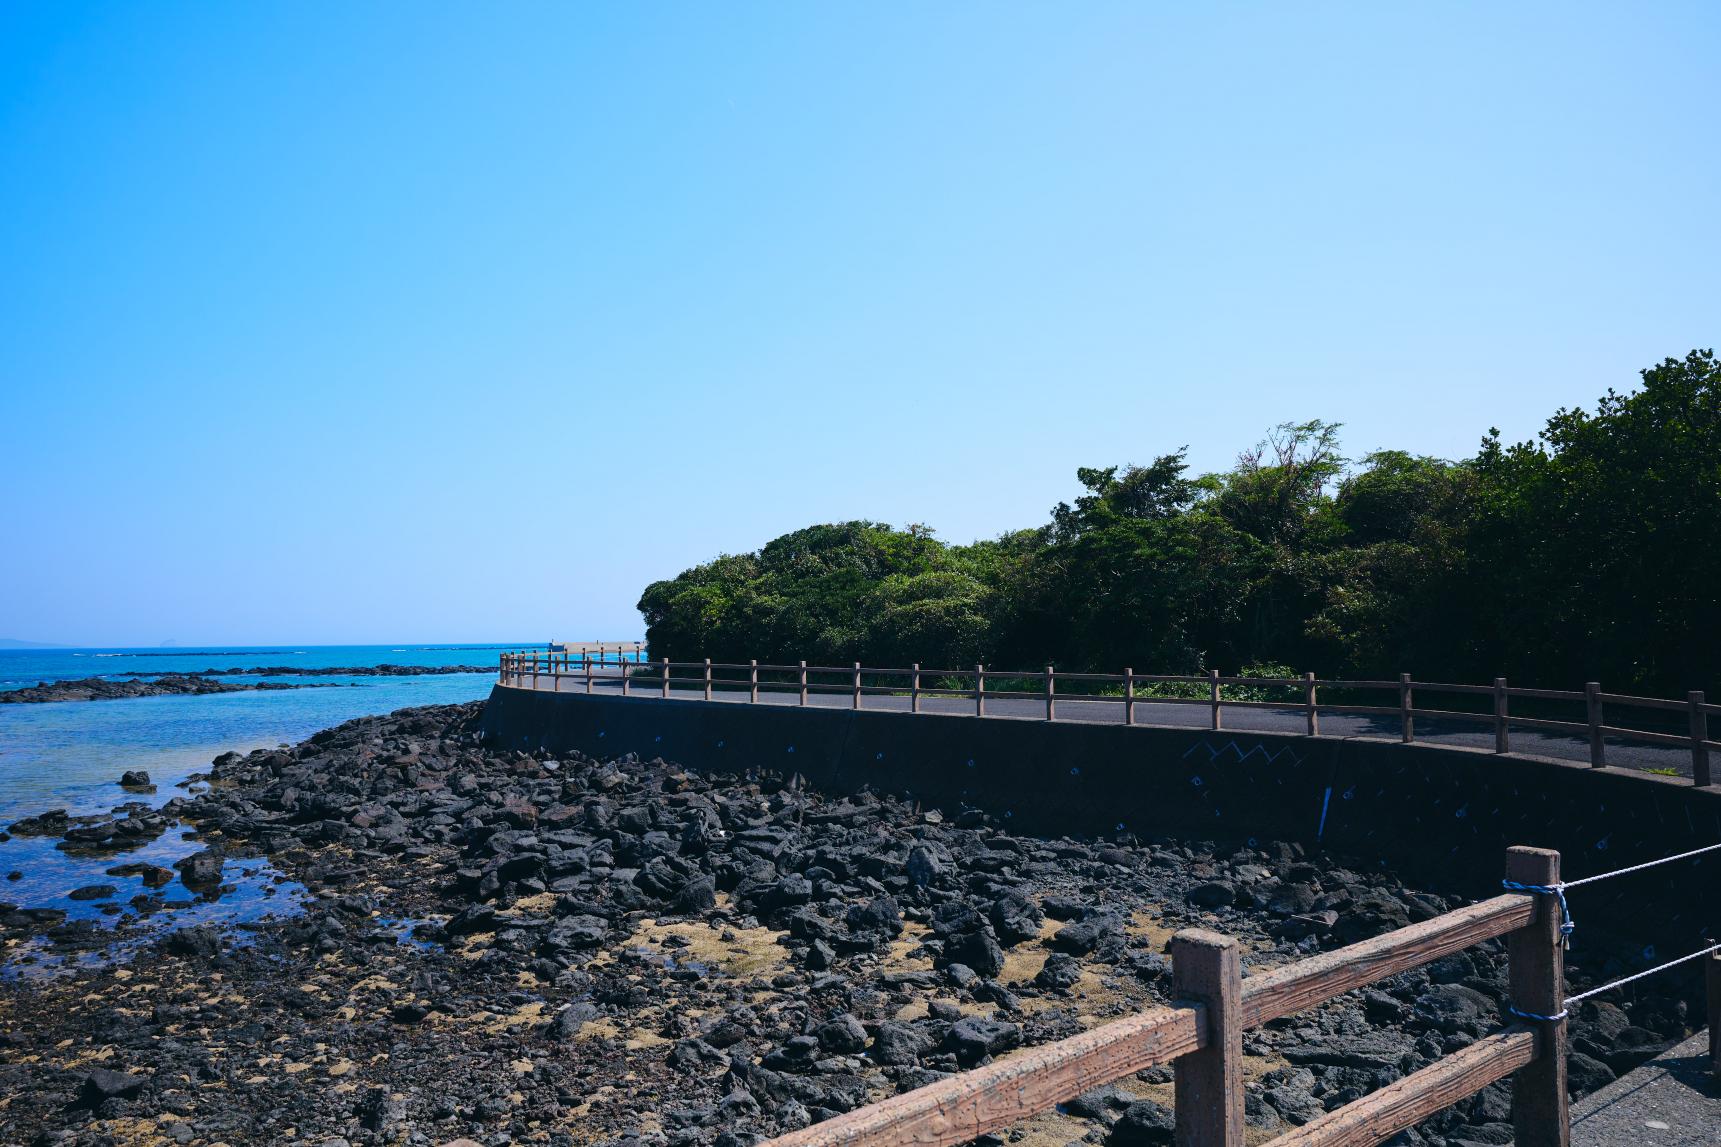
(70, 755)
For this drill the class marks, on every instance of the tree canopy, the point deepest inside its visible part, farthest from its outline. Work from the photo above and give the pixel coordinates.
(1590, 553)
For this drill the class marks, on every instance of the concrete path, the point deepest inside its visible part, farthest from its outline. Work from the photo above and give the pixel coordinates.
(1475, 734)
(1671, 1101)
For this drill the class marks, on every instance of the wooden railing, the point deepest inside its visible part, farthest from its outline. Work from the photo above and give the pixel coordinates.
(1201, 1036)
(1131, 691)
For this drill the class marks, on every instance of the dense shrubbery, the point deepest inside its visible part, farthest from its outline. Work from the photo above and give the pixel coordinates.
(1593, 553)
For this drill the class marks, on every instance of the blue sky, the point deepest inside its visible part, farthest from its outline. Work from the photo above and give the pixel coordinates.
(327, 323)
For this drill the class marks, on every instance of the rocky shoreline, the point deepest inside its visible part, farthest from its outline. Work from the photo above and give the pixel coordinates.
(198, 682)
(384, 670)
(521, 948)
(104, 689)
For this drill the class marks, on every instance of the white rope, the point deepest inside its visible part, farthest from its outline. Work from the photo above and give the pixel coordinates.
(1639, 867)
(1570, 1000)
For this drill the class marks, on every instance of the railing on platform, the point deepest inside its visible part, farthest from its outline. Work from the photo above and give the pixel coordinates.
(1131, 691)
(1201, 1036)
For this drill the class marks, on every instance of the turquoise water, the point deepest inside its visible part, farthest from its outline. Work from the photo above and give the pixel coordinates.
(70, 754)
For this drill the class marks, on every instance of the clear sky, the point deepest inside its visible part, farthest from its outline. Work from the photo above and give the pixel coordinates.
(393, 322)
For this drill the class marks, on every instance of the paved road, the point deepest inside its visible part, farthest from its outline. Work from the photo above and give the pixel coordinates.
(1478, 734)
(1671, 1101)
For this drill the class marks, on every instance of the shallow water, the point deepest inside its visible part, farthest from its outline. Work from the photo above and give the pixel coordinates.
(70, 755)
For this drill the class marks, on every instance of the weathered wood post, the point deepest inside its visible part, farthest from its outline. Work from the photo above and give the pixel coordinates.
(914, 688)
(555, 674)
(753, 681)
(708, 678)
(502, 668)
(1712, 984)
(1406, 723)
(1592, 714)
(1312, 714)
(1213, 695)
(1536, 977)
(857, 686)
(621, 667)
(1129, 696)
(803, 683)
(1699, 735)
(1502, 731)
(1051, 702)
(584, 657)
(979, 690)
(1206, 969)
(665, 677)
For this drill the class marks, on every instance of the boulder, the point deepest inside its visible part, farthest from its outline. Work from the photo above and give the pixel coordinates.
(201, 869)
(1060, 973)
(899, 1045)
(978, 950)
(568, 1022)
(1089, 935)
(974, 1038)
(842, 1035)
(103, 1084)
(1213, 894)
(1143, 1123)
(1015, 918)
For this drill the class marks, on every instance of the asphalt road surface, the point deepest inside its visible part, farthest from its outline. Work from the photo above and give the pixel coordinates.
(1475, 733)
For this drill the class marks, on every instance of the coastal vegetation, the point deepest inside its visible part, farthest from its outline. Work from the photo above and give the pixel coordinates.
(1588, 553)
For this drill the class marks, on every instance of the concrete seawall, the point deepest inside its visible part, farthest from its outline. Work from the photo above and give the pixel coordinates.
(1439, 816)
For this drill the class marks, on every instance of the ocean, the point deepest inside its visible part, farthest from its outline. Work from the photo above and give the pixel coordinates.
(70, 754)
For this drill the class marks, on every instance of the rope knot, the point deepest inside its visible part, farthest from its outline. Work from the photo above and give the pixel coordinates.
(1558, 891)
(1555, 1018)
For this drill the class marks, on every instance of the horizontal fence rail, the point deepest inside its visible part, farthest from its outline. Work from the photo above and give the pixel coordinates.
(1200, 1035)
(1492, 707)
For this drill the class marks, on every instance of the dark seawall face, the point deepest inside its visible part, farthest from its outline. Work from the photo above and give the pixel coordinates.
(1439, 816)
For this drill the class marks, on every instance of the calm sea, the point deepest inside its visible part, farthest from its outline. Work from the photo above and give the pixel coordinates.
(70, 754)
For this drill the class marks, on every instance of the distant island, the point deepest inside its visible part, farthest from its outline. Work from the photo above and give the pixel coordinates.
(15, 643)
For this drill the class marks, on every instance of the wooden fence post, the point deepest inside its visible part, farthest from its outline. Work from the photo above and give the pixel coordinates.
(708, 678)
(979, 690)
(1592, 713)
(555, 674)
(1536, 978)
(803, 680)
(665, 677)
(1406, 723)
(1712, 983)
(1699, 734)
(857, 686)
(1129, 696)
(1206, 968)
(1051, 702)
(1213, 695)
(621, 667)
(1313, 718)
(1502, 732)
(588, 664)
(914, 688)
(753, 681)
(534, 671)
